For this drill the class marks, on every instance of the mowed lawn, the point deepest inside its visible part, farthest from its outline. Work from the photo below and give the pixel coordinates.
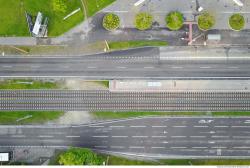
(13, 20)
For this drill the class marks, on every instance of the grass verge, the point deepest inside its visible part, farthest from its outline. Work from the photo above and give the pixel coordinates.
(94, 6)
(37, 117)
(118, 115)
(104, 83)
(28, 84)
(118, 45)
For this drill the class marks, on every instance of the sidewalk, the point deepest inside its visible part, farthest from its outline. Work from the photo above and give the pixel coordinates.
(179, 85)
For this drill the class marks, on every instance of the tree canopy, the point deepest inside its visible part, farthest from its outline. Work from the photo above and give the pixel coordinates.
(143, 21)
(111, 21)
(206, 21)
(174, 20)
(79, 156)
(237, 22)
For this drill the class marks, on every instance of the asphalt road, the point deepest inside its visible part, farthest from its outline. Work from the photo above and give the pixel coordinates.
(157, 137)
(147, 63)
(80, 100)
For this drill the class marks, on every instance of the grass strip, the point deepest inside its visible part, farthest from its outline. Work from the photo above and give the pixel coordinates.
(37, 117)
(118, 45)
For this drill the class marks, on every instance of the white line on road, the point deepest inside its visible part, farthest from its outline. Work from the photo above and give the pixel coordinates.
(179, 126)
(117, 126)
(178, 147)
(158, 126)
(139, 136)
(200, 126)
(119, 136)
(217, 136)
(159, 136)
(199, 147)
(100, 146)
(233, 67)
(221, 126)
(175, 67)
(117, 147)
(45, 136)
(138, 126)
(18, 136)
(178, 136)
(136, 147)
(91, 67)
(205, 67)
(240, 126)
(103, 136)
(72, 136)
(148, 67)
(197, 136)
(158, 147)
(120, 67)
(96, 126)
(241, 147)
(241, 136)
(218, 147)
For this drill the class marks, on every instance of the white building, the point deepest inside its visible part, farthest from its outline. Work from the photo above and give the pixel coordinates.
(38, 23)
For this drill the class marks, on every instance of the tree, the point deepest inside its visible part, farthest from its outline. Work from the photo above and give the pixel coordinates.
(111, 21)
(79, 156)
(206, 21)
(237, 22)
(143, 21)
(174, 20)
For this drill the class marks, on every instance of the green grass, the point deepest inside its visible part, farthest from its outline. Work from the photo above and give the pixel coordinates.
(93, 6)
(118, 115)
(114, 160)
(118, 45)
(38, 117)
(104, 83)
(27, 84)
(13, 21)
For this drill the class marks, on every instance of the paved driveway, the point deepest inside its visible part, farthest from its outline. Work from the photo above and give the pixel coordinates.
(222, 10)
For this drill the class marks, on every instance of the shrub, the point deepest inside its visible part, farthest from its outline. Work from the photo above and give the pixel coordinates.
(237, 22)
(111, 21)
(143, 21)
(79, 156)
(174, 20)
(206, 21)
(59, 6)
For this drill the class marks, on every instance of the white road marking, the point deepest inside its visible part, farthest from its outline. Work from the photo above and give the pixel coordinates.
(45, 136)
(178, 147)
(199, 147)
(96, 126)
(197, 136)
(119, 136)
(90, 67)
(179, 126)
(117, 126)
(241, 147)
(158, 147)
(233, 67)
(159, 136)
(216, 136)
(117, 147)
(218, 147)
(221, 126)
(205, 67)
(178, 136)
(104, 136)
(18, 136)
(158, 126)
(138, 126)
(136, 147)
(120, 67)
(240, 126)
(72, 136)
(139, 136)
(100, 146)
(200, 126)
(241, 136)
(175, 67)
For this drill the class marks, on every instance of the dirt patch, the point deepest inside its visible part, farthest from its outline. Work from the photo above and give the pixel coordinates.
(84, 85)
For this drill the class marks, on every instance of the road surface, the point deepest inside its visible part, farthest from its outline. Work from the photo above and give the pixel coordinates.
(80, 100)
(146, 63)
(160, 137)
